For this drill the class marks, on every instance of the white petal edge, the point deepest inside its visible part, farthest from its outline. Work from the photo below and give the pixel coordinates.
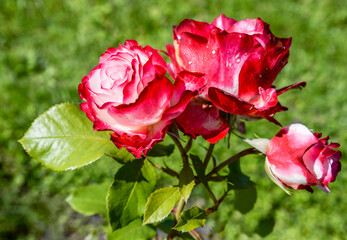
(274, 178)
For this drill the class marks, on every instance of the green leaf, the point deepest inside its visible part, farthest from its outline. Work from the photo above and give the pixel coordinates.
(199, 168)
(245, 199)
(90, 199)
(166, 226)
(132, 185)
(160, 203)
(190, 219)
(121, 156)
(160, 150)
(236, 179)
(134, 231)
(63, 139)
(186, 181)
(265, 226)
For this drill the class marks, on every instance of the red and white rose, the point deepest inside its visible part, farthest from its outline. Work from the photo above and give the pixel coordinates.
(128, 93)
(299, 159)
(240, 61)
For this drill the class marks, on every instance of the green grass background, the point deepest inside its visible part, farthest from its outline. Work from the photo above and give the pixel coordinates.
(46, 47)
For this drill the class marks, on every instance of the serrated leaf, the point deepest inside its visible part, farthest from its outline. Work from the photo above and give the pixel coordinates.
(190, 219)
(160, 203)
(121, 156)
(166, 226)
(245, 199)
(160, 150)
(63, 139)
(236, 179)
(90, 199)
(134, 231)
(186, 181)
(127, 196)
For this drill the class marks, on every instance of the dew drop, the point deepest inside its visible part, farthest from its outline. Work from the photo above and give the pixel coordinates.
(260, 76)
(190, 62)
(213, 52)
(240, 36)
(238, 60)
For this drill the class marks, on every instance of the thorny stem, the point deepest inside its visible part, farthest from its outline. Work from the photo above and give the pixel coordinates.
(209, 177)
(214, 199)
(188, 145)
(179, 208)
(231, 160)
(180, 148)
(208, 154)
(165, 170)
(216, 205)
(195, 234)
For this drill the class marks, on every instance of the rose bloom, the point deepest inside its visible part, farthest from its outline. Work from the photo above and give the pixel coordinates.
(240, 61)
(128, 93)
(297, 158)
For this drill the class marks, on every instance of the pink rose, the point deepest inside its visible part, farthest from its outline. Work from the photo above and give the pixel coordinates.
(240, 61)
(299, 159)
(128, 93)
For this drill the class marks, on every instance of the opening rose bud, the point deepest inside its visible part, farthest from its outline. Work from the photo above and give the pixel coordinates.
(240, 61)
(297, 158)
(128, 93)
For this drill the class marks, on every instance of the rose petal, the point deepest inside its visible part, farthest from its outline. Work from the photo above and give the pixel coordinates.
(138, 145)
(224, 23)
(285, 152)
(148, 108)
(266, 99)
(229, 103)
(201, 118)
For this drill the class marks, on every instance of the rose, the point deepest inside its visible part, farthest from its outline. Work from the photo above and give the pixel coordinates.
(202, 118)
(240, 61)
(128, 93)
(299, 159)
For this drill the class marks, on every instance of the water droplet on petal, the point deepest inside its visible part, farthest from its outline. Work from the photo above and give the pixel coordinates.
(238, 60)
(240, 36)
(213, 52)
(260, 76)
(190, 62)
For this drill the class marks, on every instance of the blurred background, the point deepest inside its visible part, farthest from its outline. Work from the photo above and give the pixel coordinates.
(46, 47)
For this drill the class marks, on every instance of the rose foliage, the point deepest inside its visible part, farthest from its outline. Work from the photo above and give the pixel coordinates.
(220, 75)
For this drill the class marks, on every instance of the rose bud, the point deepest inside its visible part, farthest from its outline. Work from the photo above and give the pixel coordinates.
(297, 158)
(128, 93)
(240, 60)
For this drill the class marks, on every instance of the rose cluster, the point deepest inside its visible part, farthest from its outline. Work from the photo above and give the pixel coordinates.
(218, 70)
